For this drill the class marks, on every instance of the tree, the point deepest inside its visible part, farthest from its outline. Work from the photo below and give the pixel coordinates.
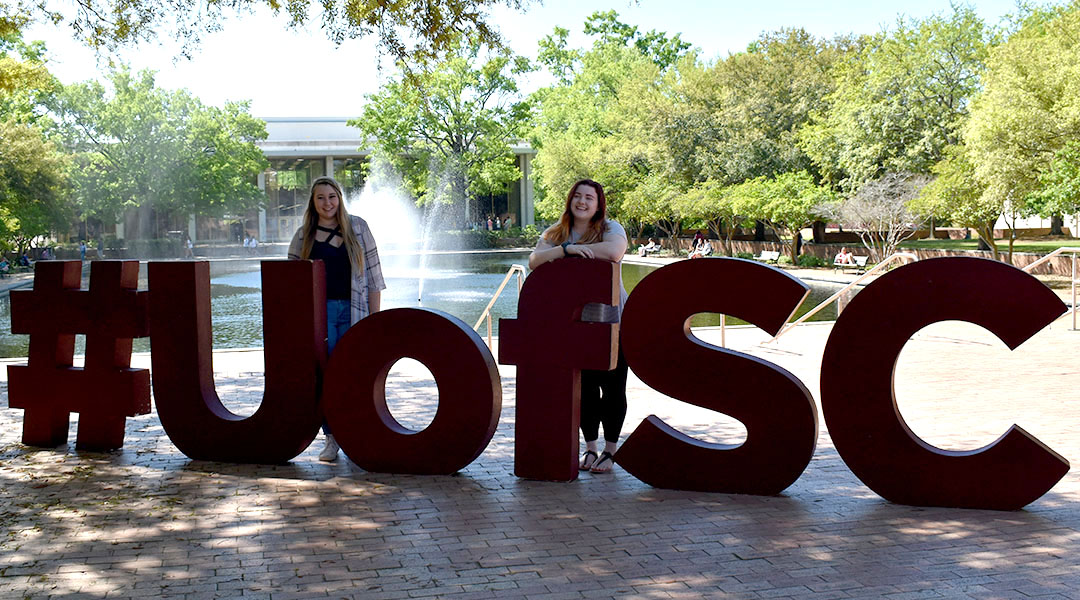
(448, 128)
(34, 171)
(739, 118)
(900, 99)
(1059, 184)
(25, 82)
(655, 200)
(33, 186)
(956, 194)
(714, 204)
(163, 153)
(792, 202)
(407, 29)
(594, 121)
(879, 212)
(1028, 111)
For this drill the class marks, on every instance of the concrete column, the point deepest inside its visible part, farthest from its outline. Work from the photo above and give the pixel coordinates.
(329, 166)
(527, 209)
(261, 182)
(191, 228)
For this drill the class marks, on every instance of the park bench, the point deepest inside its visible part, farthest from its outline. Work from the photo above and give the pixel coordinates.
(858, 264)
(768, 256)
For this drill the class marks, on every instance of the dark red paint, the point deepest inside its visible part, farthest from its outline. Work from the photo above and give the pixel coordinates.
(860, 406)
(469, 392)
(106, 390)
(294, 340)
(550, 345)
(775, 407)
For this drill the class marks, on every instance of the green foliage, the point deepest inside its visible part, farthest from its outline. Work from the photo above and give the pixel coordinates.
(811, 261)
(900, 99)
(1059, 183)
(739, 118)
(783, 260)
(407, 29)
(956, 194)
(25, 82)
(448, 125)
(138, 145)
(596, 122)
(745, 255)
(1028, 111)
(33, 186)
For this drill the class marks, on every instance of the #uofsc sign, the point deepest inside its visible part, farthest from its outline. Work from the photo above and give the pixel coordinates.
(550, 345)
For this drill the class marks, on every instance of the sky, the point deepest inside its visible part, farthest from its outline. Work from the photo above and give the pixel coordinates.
(299, 73)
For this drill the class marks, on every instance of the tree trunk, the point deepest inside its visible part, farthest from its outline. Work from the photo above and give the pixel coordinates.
(986, 238)
(1056, 223)
(819, 232)
(759, 231)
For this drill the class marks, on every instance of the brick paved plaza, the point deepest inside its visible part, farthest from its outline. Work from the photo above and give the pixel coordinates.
(148, 522)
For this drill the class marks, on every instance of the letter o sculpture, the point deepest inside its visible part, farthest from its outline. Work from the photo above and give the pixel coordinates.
(469, 388)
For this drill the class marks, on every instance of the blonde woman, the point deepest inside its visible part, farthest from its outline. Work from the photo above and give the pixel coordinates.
(585, 231)
(354, 280)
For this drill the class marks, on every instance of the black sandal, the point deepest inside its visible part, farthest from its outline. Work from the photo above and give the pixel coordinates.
(606, 456)
(587, 464)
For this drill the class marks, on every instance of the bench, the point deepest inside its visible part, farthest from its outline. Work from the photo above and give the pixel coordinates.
(768, 256)
(858, 264)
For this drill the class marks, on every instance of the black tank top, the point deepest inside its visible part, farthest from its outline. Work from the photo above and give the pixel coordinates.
(338, 267)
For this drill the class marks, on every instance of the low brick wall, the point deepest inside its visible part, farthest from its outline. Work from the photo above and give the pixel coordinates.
(1059, 265)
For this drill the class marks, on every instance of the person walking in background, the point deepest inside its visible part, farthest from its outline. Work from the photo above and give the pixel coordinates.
(189, 248)
(354, 279)
(585, 231)
(82, 250)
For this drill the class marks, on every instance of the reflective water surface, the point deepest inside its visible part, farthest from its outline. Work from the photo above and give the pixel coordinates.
(458, 284)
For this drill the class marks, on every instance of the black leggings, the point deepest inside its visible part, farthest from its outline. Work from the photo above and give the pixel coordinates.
(603, 399)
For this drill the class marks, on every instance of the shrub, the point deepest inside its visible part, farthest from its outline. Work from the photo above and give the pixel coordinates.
(746, 255)
(784, 260)
(809, 260)
(531, 234)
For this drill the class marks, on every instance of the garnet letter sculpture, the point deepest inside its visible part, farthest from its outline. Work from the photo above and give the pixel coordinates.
(550, 345)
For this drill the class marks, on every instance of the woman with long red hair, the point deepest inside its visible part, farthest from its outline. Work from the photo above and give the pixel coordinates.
(585, 231)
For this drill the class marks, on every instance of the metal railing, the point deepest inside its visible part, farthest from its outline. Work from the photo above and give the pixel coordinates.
(907, 256)
(1074, 252)
(486, 315)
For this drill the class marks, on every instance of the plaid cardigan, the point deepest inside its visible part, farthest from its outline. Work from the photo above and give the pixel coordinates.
(370, 280)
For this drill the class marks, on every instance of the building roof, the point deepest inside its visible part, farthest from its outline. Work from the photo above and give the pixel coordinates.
(326, 136)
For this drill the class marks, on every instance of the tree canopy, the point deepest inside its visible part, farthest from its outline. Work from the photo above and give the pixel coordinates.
(163, 152)
(901, 97)
(448, 127)
(414, 29)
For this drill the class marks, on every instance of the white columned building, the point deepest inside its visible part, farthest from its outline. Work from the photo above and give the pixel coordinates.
(301, 149)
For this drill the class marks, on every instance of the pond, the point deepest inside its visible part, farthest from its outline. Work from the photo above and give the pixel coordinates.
(460, 284)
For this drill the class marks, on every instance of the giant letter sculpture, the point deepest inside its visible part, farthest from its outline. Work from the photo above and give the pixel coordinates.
(469, 392)
(550, 345)
(776, 408)
(294, 340)
(860, 407)
(106, 390)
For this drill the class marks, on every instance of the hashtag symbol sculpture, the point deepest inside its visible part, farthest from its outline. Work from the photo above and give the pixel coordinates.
(106, 390)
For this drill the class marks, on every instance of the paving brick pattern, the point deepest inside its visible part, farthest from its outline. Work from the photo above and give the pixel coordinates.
(147, 522)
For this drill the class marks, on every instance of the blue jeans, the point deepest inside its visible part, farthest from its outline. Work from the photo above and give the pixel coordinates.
(338, 317)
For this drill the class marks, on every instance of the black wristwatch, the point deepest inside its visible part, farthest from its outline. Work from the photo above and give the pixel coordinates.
(564, 252)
